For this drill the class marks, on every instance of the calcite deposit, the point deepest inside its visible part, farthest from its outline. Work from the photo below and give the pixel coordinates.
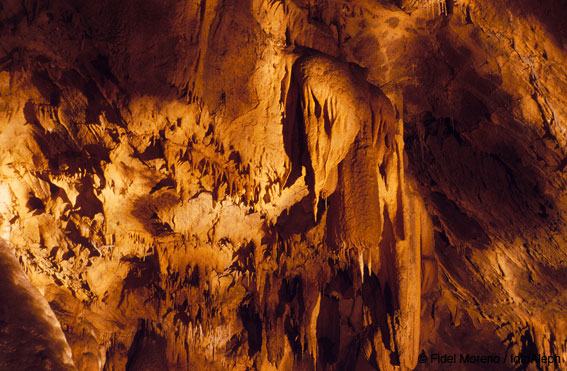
(283, 185)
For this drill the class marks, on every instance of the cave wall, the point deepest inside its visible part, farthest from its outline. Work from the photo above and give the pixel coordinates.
(288, 184)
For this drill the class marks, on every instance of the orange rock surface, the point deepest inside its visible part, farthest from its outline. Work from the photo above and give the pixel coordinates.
(282, 184)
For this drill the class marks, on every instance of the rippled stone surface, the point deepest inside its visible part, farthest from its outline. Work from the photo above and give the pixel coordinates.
(282, 184)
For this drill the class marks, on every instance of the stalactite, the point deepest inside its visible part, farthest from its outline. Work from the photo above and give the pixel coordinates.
(371, 180)
(332, 116)
(241, 123)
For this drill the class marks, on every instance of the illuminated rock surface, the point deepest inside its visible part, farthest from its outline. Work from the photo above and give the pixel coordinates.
(282, 185)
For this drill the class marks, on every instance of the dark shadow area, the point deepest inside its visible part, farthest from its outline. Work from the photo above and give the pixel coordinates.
(35, 204)
(551, 14)
(461, 225)
(148, 350)
(466, 185)
(87, 200)
(297, 220)
(329, 330)
(74, 235)
(294, 133)
(143, 273)
(145, 208)
(253, 326)
(293, 129)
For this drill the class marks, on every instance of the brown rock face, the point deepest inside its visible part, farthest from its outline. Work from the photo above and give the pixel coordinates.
(283, 185)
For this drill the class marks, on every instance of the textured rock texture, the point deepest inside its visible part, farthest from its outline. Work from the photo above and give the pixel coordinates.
(282, 184)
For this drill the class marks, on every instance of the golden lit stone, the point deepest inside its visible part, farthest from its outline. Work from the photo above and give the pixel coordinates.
(283, 185)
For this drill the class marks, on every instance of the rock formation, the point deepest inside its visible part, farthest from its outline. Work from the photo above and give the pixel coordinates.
(282, 184)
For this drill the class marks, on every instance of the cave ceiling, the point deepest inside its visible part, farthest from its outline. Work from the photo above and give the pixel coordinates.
(283, 184)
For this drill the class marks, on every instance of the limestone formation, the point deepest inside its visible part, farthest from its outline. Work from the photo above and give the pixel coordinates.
(283, 184)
